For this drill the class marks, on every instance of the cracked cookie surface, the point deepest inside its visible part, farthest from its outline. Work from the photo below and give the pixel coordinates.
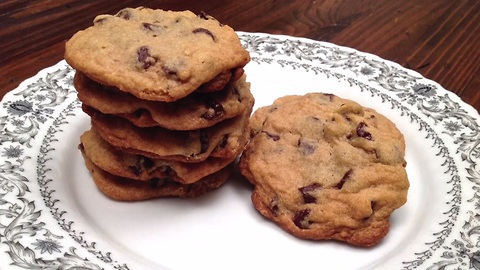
(326, 168)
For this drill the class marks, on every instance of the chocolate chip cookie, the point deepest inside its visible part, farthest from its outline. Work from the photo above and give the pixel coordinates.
(124, 189)
(324, 167)
(142, 168)
(158, 55)
(197, 110)
(221, 140)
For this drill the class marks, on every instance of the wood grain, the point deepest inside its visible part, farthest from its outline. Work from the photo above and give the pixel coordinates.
(438, 38)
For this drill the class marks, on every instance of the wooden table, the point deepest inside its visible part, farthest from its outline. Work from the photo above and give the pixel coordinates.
(438, 38)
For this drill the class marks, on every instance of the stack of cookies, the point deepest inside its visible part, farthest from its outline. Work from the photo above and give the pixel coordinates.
(168, 101)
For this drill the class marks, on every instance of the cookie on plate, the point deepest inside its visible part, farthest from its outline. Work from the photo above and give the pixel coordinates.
(221, 140)
(197, 110)
(158, 55)
(124, 189)
(324, 167)
(142, 168)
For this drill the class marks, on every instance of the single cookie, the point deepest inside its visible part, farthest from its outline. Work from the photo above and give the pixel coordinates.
(326, 168)
(221, 140)
(192, 112)
(139, 167)
(124, 189)
(156, 54)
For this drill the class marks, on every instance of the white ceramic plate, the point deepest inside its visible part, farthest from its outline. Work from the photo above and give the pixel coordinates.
(53, 217)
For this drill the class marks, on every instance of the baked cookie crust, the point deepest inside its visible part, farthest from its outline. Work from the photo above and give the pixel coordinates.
(326, 168)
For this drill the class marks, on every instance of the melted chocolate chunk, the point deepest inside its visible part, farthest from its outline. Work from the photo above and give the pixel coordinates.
(307, 197)
(361, 132)
(306, 147)
(152, 27)
(203, 15)
(169, 71)
(167, 170)
(139, 113)
(224, 141)
(330, 96)
(345, 177)
(147, 162)
(300, 219)
(157, 182)
(274, 206)
(204, 31)
(142, 163)
(144, 57)
(204, 141)
(136, 169)
(215, 109)
(274, 137)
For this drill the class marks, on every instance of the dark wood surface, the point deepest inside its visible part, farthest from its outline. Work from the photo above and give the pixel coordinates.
(438, 38)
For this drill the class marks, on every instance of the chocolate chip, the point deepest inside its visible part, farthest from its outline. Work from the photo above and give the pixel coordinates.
(152, 27)
(205, 31)
(345, 177)
(141, 164)
(204, 141)
(347, 117)
(274, 137)
(203, 15)
(214, 111)
(306, 147)
(165, 169)
(307, 197)
(124, 14)
(169, 71)
(224, 141)
(136, 169)
(330, 96)
(144, 57)
(300, 219)
(146, 162)
(362, 132)
(274, 206)
(139, 113)
(158, 182)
